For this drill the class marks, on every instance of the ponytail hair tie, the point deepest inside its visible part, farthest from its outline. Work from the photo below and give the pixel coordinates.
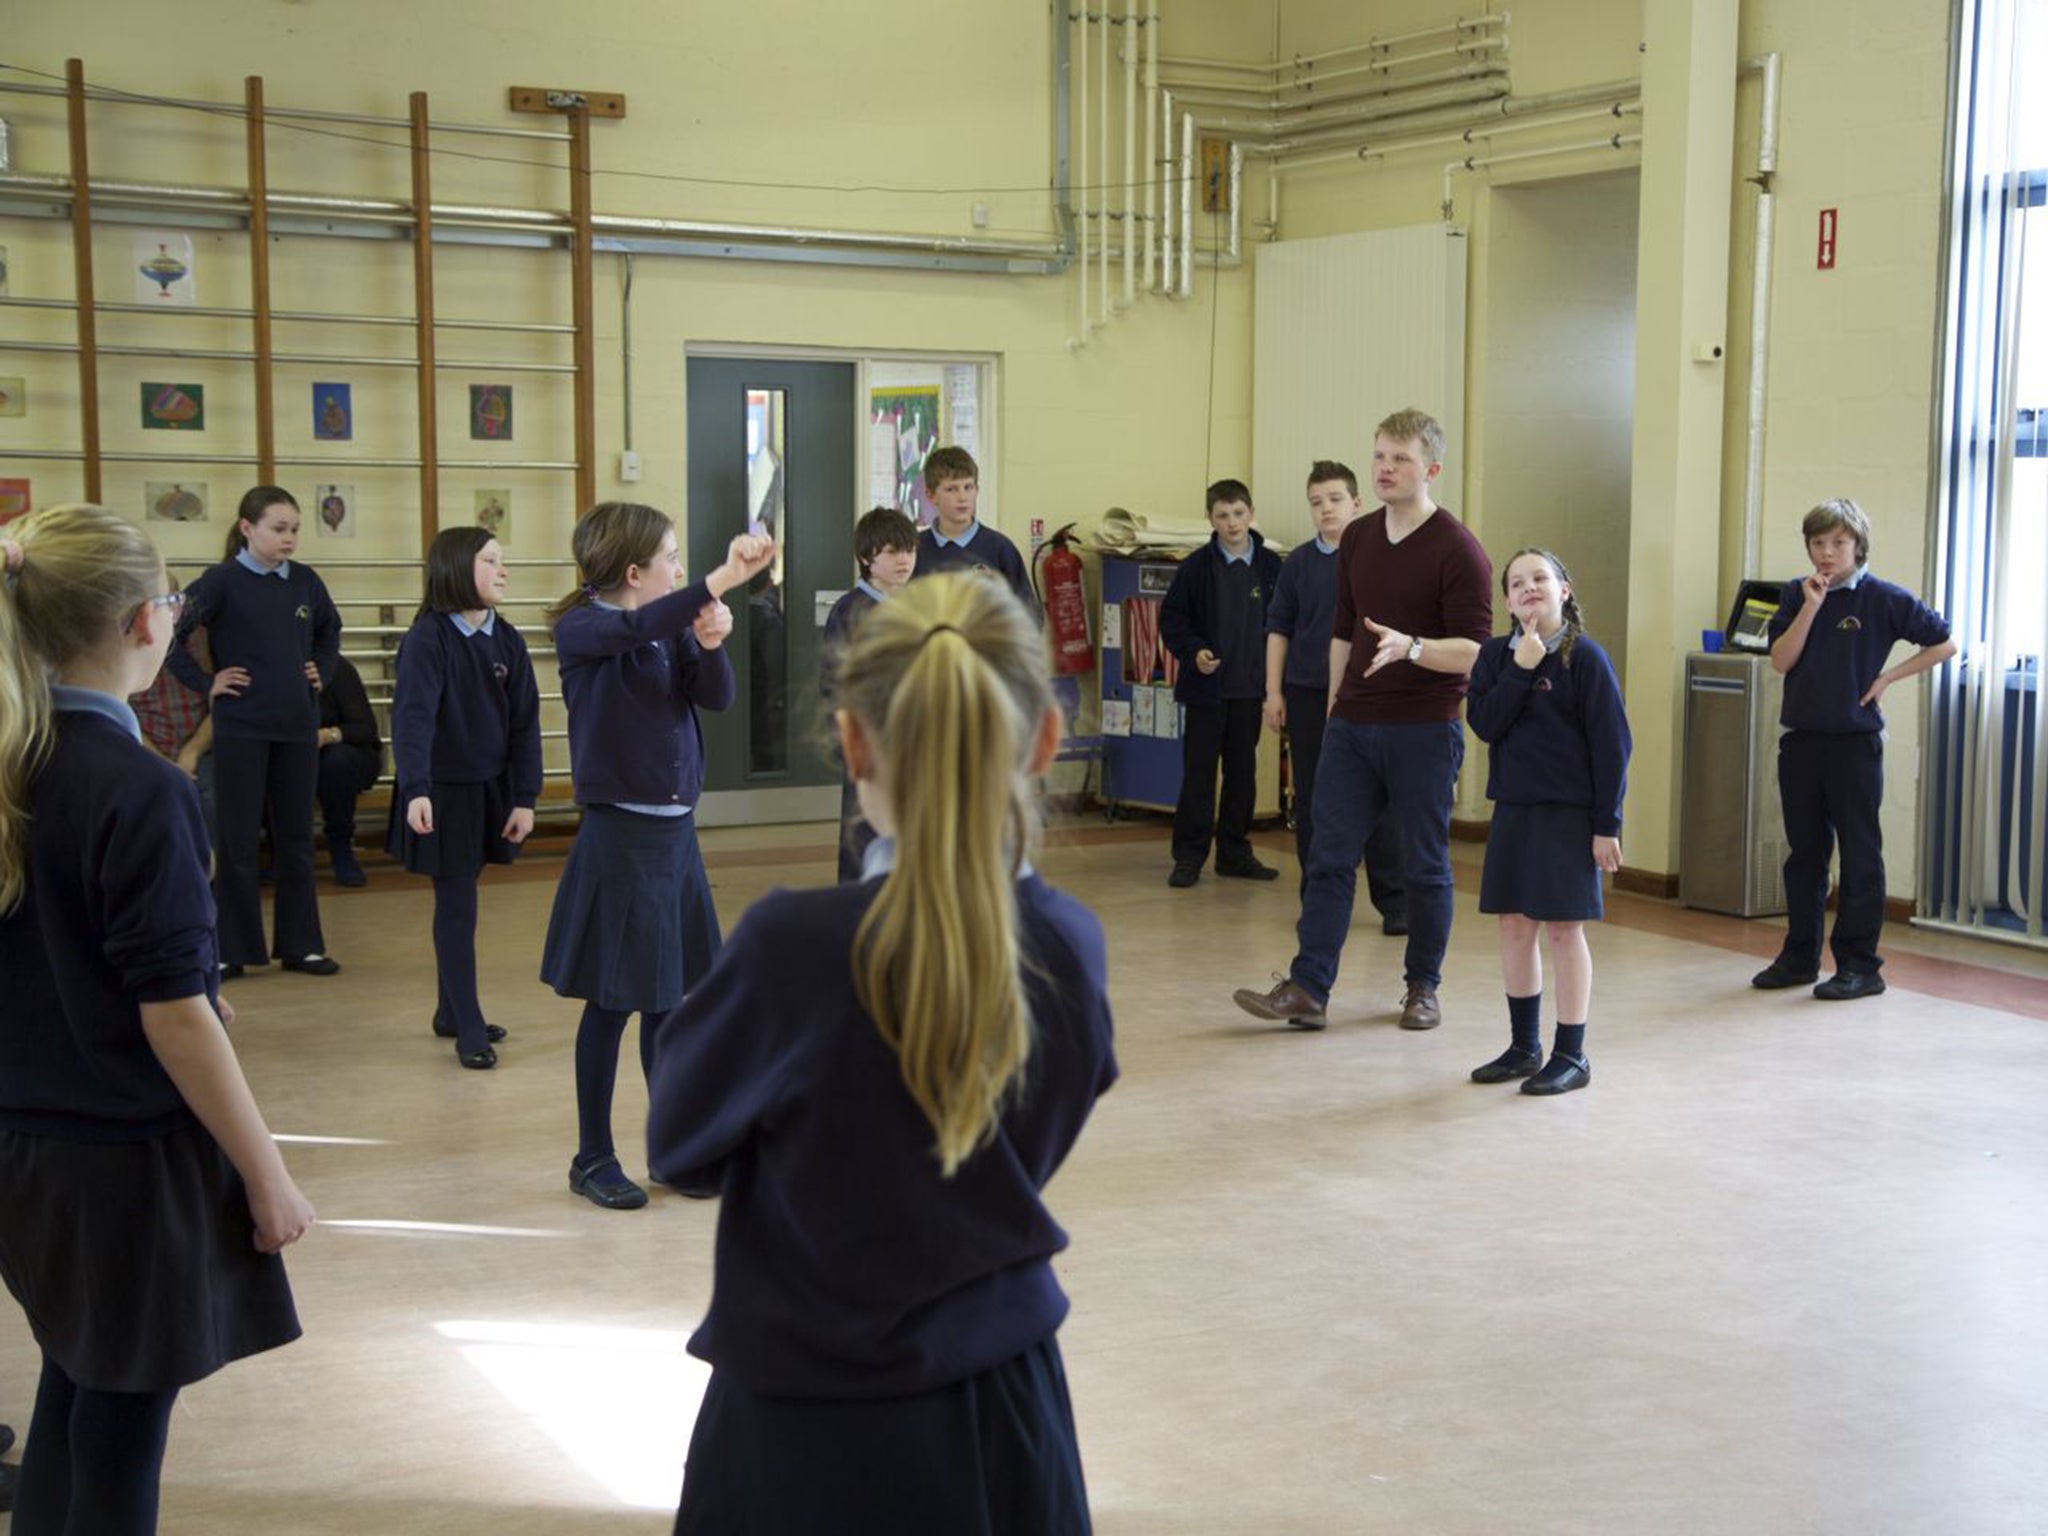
(943, 629)
(12, 556)
(589, 592)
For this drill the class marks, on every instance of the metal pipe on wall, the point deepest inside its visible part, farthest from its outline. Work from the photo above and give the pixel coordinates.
(1102, 166)
(1131, 47)
(1760, 316)
(1081, 158)
(1187, 205)
(1163, 173)
(1151, 133)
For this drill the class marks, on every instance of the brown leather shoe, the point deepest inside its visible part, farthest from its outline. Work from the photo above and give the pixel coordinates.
(1287, 1003)
(1418, 1007)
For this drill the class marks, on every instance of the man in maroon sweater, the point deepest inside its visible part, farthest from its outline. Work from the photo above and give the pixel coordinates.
(1414, 601)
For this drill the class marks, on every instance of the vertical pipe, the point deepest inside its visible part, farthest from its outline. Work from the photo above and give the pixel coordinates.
(1187, 204)
(1081, 160)
(1151, 132)
(1162, 172)
(1760, 320)
(626, 353)
(81, 259)
(1132, 43)
(583, 307)
(1102, 165)
(423, 310)
(259, 286)
(1236, 201)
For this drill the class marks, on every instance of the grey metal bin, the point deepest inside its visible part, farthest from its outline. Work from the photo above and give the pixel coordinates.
(1731, 840)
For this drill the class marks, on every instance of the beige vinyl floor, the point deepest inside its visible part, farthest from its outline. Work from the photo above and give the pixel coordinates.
(1782, 1268)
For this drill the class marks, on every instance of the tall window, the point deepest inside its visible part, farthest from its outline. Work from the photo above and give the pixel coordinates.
(1982, 856)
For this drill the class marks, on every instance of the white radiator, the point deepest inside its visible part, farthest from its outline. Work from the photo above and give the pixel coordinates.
(1347, 330)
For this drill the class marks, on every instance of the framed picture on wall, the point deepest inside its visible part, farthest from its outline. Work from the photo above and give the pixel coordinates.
(174, 501)
(494, 511)
(334, 416)
(174, 407)
(490, 413)
(334, 511)
(163, 269)
(15, 499)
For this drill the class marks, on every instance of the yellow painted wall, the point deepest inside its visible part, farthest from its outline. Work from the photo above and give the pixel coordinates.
(957, 97)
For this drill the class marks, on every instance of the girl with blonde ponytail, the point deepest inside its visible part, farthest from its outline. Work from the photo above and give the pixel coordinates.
(879, 1079)
(126, 1127)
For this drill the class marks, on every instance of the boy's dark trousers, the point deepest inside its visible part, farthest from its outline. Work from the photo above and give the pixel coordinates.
(1307, 712)
(1831, 787)
(1227, 733)
(345, 772)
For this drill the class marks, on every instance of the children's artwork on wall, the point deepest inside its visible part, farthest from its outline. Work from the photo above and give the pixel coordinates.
(490, 413)
(174, 407)
(494, 511)
(334, 416)
(334, 511)
(163, 269)
(14, 500)
(167, 501)
(903, 426)
(13, 397)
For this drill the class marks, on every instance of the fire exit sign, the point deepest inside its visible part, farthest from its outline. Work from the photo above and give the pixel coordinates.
(1827, 240)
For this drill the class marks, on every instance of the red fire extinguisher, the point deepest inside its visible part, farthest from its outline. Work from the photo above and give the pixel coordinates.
(1058, 579)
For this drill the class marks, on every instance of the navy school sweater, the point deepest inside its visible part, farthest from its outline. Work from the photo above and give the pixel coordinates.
(633, 680)
(1849, 644)
(846, 1266)
(1557, 731)
(840, 624)
(1214, 609)
(984, 548)
(118, 912)
(345, 706)
(1302, 608)
(272, 625)
(465, 709)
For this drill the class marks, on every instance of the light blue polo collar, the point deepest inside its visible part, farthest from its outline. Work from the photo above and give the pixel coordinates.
(90, 701)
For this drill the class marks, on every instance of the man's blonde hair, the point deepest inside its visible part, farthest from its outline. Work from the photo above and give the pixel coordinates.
(1407, 425)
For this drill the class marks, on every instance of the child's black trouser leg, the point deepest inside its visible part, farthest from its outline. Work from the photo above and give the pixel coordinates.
(1240, 753)
(240, 767)
(1194, 813)
(1854, 780)
(455, 959)
(294, 772)
(1809, 843)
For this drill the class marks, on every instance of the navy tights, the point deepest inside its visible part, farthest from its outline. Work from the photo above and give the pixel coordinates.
(93, 1461)
(597, 1072)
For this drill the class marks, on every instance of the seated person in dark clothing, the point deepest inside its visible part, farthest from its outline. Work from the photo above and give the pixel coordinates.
(351, 759)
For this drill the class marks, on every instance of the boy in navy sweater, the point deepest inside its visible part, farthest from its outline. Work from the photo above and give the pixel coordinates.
(885, 544)
(958, 541)
(1831, 636)
(1214, 622)
(1298, 629)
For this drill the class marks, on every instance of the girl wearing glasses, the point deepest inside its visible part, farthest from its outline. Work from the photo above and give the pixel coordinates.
(142, 1199)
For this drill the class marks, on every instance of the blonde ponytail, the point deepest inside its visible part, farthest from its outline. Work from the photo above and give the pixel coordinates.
(84, 570)
(948, 678)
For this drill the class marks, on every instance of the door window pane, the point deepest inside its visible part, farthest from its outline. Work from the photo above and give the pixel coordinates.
(766, 617)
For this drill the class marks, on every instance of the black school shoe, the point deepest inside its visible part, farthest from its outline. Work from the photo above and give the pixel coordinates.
(1246, 867)
(312, 965)
(1845, 985)
(604, 1183)
(1561, 1074)
(1184, 875)
(477, 1061)
(1508, 1065)
(1778, 975)
(444, 1028)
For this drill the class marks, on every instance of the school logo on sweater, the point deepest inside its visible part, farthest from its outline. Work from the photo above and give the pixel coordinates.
(1850, 623)
(500, 671)
(304, 614)
(1542, 685)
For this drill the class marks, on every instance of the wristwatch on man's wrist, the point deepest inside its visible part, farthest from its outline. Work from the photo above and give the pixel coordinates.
(1415, 647)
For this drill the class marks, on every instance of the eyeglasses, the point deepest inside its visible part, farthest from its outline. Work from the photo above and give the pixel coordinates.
(174, 601)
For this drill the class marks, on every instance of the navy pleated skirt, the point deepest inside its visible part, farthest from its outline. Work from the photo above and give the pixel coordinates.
(469, 825)
(633, 925)
(135, 1260)
(993, 1455)
(1539, 864)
